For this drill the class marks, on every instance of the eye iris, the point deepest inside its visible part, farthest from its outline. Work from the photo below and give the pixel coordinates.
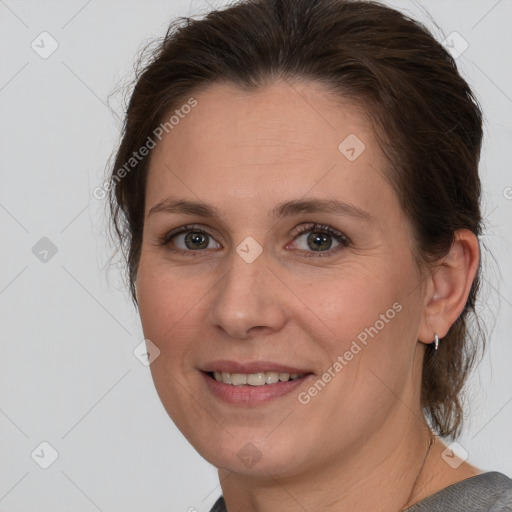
(322, 239)
(198, 241)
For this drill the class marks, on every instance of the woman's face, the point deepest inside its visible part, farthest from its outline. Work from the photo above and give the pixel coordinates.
(273, 279)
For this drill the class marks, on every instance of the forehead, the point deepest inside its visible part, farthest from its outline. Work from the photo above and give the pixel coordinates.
(281, 117)
(283, 139)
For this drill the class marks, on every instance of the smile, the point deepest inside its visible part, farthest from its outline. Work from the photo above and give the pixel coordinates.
(255, 388)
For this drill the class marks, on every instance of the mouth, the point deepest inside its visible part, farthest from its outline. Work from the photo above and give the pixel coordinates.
(254, 383)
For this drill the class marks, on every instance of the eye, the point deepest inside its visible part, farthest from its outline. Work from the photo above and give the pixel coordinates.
(318, 238)
(188, 239)
(192, 239)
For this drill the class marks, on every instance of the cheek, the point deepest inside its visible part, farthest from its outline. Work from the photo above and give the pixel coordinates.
(166, 304)
(354, 301)
(370, 318)
(167, 309)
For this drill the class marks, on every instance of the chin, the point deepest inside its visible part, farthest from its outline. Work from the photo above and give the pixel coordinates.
(252, 455)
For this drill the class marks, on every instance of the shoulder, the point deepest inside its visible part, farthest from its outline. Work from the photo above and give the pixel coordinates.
(219, 505)
(487, 492)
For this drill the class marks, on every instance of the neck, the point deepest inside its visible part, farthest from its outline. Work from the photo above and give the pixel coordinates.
(378, 474)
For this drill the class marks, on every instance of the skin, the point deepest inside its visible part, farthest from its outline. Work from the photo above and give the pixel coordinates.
(359, 444)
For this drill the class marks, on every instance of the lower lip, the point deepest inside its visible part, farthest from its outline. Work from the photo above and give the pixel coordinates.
(252, 395)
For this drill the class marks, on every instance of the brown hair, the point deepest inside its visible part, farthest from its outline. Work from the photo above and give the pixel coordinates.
(426, 118)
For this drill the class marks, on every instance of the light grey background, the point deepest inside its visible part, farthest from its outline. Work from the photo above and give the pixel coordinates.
(68, 373)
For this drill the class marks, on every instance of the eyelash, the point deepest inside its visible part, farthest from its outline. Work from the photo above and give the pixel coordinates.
(313, 227)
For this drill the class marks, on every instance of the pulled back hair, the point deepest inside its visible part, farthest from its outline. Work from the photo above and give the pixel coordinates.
(426, 119)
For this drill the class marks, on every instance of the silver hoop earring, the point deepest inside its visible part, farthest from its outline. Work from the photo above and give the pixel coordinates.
(436, 341)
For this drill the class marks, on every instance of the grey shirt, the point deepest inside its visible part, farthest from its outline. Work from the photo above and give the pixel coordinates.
(488, 492)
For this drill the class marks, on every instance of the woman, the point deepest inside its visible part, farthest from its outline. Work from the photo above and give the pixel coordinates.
(297, 193)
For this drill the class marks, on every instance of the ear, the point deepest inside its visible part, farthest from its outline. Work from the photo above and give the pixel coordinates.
(448, 287)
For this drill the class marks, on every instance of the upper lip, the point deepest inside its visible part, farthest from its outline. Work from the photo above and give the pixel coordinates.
(223, 365)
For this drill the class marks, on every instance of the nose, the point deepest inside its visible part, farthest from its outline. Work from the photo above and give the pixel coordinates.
(249, 298)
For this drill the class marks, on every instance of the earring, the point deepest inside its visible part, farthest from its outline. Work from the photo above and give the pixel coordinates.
(436, 341)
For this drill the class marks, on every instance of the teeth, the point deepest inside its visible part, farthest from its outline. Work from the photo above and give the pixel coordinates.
(238, 379)
(271, 377)
(254, 379)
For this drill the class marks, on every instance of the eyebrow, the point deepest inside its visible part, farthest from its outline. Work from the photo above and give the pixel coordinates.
(284, 209)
